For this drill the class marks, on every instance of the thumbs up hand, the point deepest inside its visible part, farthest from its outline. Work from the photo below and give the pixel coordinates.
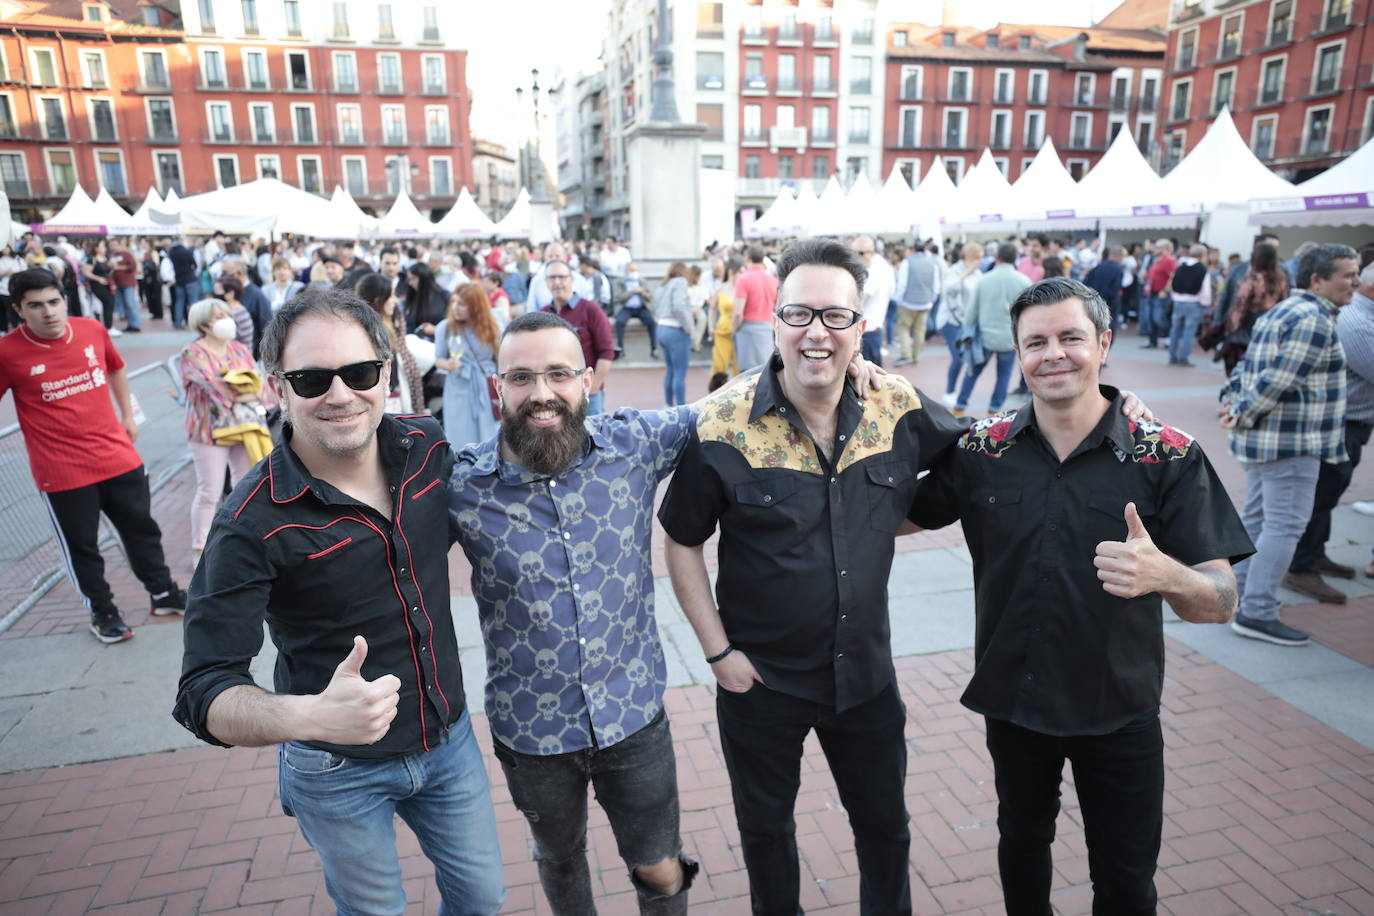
(1135, 566)
(352, 710)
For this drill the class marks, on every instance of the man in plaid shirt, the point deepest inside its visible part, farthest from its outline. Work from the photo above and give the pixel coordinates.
(1284, 406)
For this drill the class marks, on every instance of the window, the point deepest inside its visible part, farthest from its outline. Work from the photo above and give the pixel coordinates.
(753, 122)
(268, 165)
(1178, 109)
(297, 70)
(960, 84)
(355, 175)
(350, 119)
(947, 40)
(207, 16)
(991, 42)
(1144, 136)
(1026, 163)
(1368, 131)
(394, 125)
(308, 167)
(1035, 130)
(345, 71)
(292, 9)
(436, 79)
(1035, 93)
(710, 69)
(168, 166)
(1326, 73)
(436, 126)
(44, 67)
(822, 79)
(954, 167)
(785, 117)
(911, 83)
(753, 22)
(430, 29)
(1337, 14)
(54, 119)
(303, 120)
(221, 124)
(250, 17)
(102, 120)
(909, 127)
(1280, 21)
(787, 28)
(1023, 43)
(1001, 130)
(395, 178)
(861, 75)
(825, 28)
(786, 166)
(1316, 135)
(858, 125)
(1187, 50)
(441, 176)
(1002, 165)
(385, 28)
(1271, 80)
(1004, 91)
(820, 167)
(1231, 36)
(854, 166)
(711, 19)
(712, 161)
(1262, 134)
(212, 75)
(1149, 92)
(751, 166)
(956, 128)
(820, 125)
(154, 69)
(1080, 130)
(389, 74)
(899, 38)
(264, 122)
(1084, 88)
(7, 128)
(340, 29)
(787, 73)
(1077, 168)
(61, 170)
(753, 73)
(93, 70)
(161, 123)
(713, 116)
(255, 70)
(227, 170)
(863, 33)
(14, 174)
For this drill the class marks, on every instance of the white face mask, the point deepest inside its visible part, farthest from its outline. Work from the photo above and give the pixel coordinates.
(225, 328)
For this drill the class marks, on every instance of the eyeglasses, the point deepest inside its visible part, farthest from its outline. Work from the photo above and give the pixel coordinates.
(552, 277)
(833, 317)
(523, 378)
(311, 383)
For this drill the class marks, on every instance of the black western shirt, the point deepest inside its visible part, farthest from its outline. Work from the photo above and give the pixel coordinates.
(1053, 651)
(321, 567)
(806, 542)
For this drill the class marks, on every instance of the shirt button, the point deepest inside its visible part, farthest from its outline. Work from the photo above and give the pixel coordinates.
(1058, 475)
(582, 641)
(553, 483)
(566, 536)
(843, 618)
(577, 587)
(1054, 527)
(992, 499)
(839, 655)
(415, 609)
(405, 442)
(402, 570)
(832, 480)
(889, 480)
(842, 438)
(782, 410)
(1029, 676)
(768, 498)
(843, 573)
(424, 649)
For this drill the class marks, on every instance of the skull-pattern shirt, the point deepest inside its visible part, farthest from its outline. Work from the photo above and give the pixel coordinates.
(563, 577)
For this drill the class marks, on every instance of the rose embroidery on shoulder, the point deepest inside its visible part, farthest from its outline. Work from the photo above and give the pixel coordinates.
(989, 435)
(1156, 442)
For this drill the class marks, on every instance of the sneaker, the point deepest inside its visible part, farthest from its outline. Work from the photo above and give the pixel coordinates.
(1362, 507)
(950, 400)
(903, 361)
(1275, 631)
(133, 330)
(1149, 346)
(1332, 568)
(1313, 586)
(109, 627)
(116, 332)
(174, 602)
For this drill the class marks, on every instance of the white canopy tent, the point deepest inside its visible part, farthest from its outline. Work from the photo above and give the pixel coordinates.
(981, 198)
(777, 219)
(259, 207)
(404, 221)
(117, 220)
(807, 213)
(347, 218)
(146, 220)
(1343, 195)
(518, 223)
(78, 216)
(895, 202)
(1123, 192)
(861, 214)
(931, 200)
(1046, 196)
(465, 220)
(831, 214)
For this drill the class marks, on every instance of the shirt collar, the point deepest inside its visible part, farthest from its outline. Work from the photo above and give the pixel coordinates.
(1326, 304)
(288, 477)
(1113, 427)
(769, 396)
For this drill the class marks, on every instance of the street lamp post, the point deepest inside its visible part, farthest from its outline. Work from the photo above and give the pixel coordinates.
(664, 110)
(537, 193)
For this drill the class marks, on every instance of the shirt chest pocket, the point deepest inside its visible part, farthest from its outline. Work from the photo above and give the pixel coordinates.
(891, 486)
(770, 502)
(1106, 516)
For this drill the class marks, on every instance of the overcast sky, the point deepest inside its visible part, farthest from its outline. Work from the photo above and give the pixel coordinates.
(506, 38)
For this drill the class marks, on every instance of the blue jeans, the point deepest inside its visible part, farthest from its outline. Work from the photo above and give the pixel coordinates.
(1187, 316)
(596, 402)
(677, 348)
(1006, 360)
(890, 322)
(641, 312)
(950, 332)
(346, 809)
(1278, 504)
(1154, 321)
(871, 346)
(127, 304)
(184, 295)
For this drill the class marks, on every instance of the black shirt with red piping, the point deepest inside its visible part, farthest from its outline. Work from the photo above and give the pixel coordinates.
(320, 567)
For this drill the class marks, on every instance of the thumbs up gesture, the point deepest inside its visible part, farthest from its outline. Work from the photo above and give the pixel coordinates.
(352, 710)
(1132, 567)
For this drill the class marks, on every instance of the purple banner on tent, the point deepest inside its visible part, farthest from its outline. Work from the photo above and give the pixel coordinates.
(1060, 214)
(990, 218)
(1336, 201)
(1151, 210)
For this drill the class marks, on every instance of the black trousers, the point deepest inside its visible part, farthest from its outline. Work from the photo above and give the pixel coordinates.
(761, 735)
(1332, 482)
(126, 502)
(1120, 782)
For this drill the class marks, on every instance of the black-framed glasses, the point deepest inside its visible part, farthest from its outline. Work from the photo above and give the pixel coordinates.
(311, 383)
(523, 378)
(833, 317)
(552, 277)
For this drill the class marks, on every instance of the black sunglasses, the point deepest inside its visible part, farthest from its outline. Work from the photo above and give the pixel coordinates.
(311, 383)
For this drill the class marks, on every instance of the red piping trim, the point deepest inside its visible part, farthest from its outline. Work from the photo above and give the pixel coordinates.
(419, 591)
(432, 484)
(342, 518)
(251, 495)
(316, 556)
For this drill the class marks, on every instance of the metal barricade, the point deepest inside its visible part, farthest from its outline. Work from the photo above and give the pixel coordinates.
(29, 554)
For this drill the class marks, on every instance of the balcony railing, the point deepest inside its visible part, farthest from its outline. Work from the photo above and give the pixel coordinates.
(1121, 101)
(1082, 141)
(346, 86)
(790, 32)
(55, 131)
(822, 85)
(1000, 140)
(822, 137)
(162, 137)
(224, 135)
(751, 135)
(430, 34)
(756, 83)
(710, 81)
(438, 138)
(390, 87)
(860, 87)
(911, 94)
(825, 34)
(1077, 99)
(786, 138)
(769, 187)
(434, 89)
(788, 84)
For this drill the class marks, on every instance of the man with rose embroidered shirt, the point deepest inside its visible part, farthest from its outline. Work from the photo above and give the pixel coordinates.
(1079, 521)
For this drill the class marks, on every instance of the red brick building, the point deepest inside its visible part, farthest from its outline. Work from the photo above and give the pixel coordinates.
(1298, 76)
(952, 91)
(89, 96)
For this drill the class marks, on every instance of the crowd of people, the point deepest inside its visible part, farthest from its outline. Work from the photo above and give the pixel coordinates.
(804, 460)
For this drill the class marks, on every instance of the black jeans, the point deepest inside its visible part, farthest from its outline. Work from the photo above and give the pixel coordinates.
(641, 312)
(1120, 782)
(635, 781)
(761, 734)
(126, 502)
(1332, 482)
(871, 347)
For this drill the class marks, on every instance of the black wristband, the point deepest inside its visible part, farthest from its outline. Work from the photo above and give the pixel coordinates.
(715, 658)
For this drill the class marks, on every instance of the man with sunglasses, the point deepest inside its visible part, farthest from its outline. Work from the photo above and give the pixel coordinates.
(588, 321)
(339, 540)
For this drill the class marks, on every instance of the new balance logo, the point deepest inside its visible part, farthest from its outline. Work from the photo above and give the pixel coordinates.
(38, 369)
